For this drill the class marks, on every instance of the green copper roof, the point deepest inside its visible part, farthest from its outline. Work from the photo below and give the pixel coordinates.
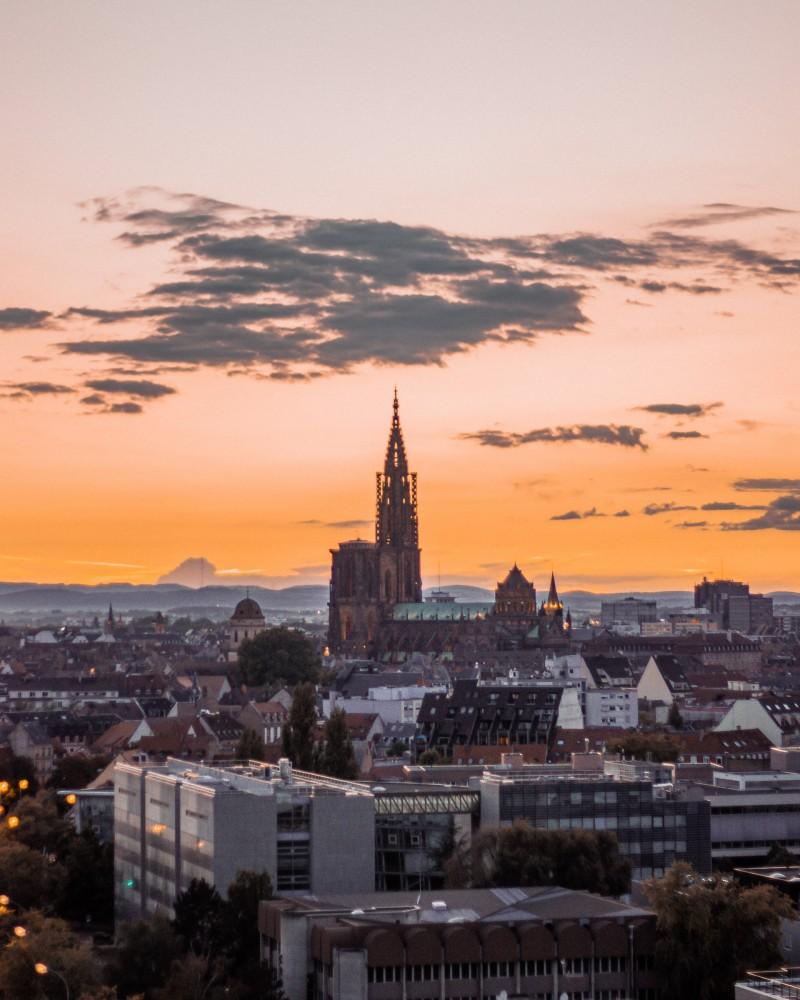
(446, 612)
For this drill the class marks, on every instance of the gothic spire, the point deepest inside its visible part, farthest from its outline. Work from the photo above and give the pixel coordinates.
(396, 500)
(553, 603)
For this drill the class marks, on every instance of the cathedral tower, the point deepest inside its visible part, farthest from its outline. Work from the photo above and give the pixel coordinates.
(369, 578)
(396, 522)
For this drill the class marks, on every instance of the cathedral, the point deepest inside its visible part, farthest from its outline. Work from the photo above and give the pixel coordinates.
(376, 608)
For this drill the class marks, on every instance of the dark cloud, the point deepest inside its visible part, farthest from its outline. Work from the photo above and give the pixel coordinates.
(692, 524)
(680, 435)
(124, 408)
(292, 298)
(618, 434)
(782, 514)
(573, 515)
(718, 212)
(28, 390)
(665, 508)
(94, 399)
(141, 388)
(732, 505)
(622, 513)
(16, 318)
(681, 409)
(772, 485)
(656, 287)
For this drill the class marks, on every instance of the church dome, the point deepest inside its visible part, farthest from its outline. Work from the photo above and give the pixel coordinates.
(247, 608)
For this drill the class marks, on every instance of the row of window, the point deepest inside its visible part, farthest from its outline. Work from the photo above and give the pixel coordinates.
(497, 970)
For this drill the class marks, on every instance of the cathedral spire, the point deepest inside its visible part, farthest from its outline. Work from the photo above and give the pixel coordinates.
(396, 500)
(553, 604)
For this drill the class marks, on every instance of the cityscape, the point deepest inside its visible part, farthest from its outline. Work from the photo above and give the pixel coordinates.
(400, 583)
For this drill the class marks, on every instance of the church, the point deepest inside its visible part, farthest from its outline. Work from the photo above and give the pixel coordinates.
(376, 609)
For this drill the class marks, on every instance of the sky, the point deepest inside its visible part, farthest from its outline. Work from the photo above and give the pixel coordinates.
(567, 232)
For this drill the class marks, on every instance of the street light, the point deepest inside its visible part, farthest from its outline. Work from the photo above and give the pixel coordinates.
(43, 970)
(20, 932)
(13, 822)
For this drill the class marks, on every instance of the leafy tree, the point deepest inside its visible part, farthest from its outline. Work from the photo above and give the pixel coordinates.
(779, 857)
(250, 746)
(29, 877)
(199, 918)
(712, 931)
(338, 757)
(144, 955)
(88, 891)
(523, 855)
(659, 747)
(41, 826)
(298, 733)
(76, 771)
(50, 941)
(192, 977)
(430, 758)
(241, 921)
(278, 656)
(675, 719)
(396, 749)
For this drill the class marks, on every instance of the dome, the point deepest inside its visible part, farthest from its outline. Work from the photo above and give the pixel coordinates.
(247, 608)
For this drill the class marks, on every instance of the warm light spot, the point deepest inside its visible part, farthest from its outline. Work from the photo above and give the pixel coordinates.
(20, 932)
(71, 799)
(41, 968)
(201, 844)
(4, 787)
(4, 900)
(13, 822)
(158, 827)
(24, 784)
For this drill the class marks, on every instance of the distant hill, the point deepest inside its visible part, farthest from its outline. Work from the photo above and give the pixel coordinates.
(174, 597)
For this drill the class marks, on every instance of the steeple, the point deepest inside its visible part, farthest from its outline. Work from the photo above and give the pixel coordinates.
(553, 604)
(396, 492)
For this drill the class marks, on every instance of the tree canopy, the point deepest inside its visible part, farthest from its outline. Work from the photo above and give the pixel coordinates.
(338, 758)
(659, 747)
(250, 746)
(278, 656)
(523, 855)
(712, 931)
(298, 733)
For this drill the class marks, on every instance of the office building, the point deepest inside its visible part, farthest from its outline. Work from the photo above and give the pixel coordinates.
(544, 942)
(629, 611)
(180, 821)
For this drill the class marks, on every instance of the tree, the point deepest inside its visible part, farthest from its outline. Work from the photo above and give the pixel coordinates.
(522, 855)
(241, 922)
(675, 719)
(430, 758)
(712, 931)
(278, 656)
(338, 757)
(51, 942)
(659, 747)
(396, 749)
(41, 827)
(250, 746)
(29, 877)
(199, 918)
(144, 955)
(298, 733)
(88, 891)
(76, 771)
(15, 769)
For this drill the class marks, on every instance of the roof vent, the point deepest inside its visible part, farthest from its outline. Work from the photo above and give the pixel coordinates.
(438, 906)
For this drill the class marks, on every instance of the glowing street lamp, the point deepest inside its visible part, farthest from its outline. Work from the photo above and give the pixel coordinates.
(24, 784)
(43, 970)
(4, 787)
(20, 932)
(71, 799)
(12, 822)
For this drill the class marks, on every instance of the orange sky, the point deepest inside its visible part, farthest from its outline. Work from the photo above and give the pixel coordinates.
(463, 126)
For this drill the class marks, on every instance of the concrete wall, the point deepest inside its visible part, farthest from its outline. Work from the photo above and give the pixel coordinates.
(342, 843)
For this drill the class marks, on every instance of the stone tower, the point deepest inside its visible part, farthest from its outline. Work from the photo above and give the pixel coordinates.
(369, 578)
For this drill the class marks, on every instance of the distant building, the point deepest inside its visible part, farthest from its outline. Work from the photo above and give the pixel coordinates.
(653, 825)
(246, 622)
(483, 715)
(629, 611)
(532, 942)
(733, 606)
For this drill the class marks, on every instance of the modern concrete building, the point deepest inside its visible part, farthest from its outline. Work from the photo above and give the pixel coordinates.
(629, 611)
(653, 823)
(474, 944)
(183, 820)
